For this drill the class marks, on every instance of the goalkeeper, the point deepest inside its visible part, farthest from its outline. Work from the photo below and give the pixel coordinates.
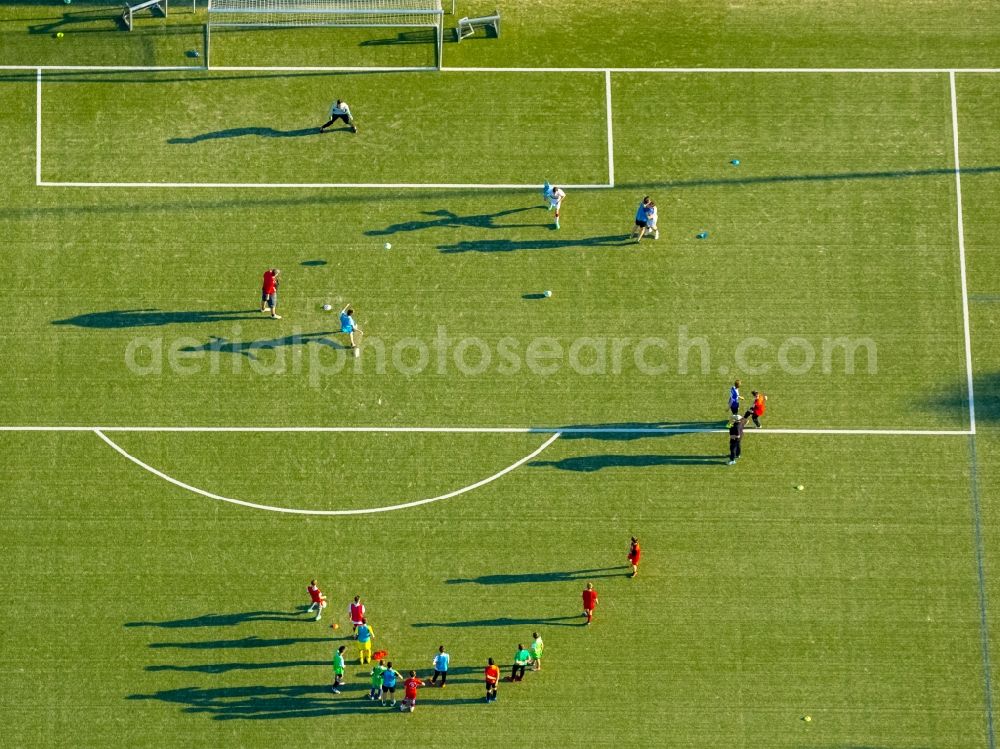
(340, 111)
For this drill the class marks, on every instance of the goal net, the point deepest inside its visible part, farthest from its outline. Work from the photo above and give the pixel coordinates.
(355, 14)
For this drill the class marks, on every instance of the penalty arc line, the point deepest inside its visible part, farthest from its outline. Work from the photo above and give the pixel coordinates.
(295, 511)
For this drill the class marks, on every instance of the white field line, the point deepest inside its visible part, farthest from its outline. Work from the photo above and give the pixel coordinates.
(363, 511)
(961, 256)
(106, 68)
(319, 185)
(38, 128)
(649, 431)
(458, 69)
(39, 182)
(320, 69)
(611, 137)
(463, 69)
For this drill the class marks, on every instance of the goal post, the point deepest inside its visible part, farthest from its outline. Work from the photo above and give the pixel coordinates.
(277, 14)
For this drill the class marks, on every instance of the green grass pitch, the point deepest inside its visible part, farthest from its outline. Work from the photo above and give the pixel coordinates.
(154, 585)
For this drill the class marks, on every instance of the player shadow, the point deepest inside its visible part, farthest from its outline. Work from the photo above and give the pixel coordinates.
(507, 621)
(626, 431)
(533, 578)
(419, 36)
(260, 702)
(592, 463)
(112, 14)
(148, 318)
(445, 219)
(243, 132)
(250, 348)
(460, 675)
(519, 245)
(452, 701)
(986, 390)
(223, 620)
(222, 668)
(146, 77)
(239, 644)
(9, 210)
(742, 181)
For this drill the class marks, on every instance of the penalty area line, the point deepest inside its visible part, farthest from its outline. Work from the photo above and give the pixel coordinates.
(297, 511)
(38, 127)
(320, 185)
(960, 230)
(611, 137)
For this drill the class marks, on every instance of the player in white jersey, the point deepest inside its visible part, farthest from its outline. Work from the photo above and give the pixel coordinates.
(340, 111)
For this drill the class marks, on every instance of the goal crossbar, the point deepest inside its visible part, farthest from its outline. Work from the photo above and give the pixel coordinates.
(289, 10)
(247, 14)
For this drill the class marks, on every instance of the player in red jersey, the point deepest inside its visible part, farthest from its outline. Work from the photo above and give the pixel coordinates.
(492, 674)
(589, 602)
(318, 600)
(634, 554)
(410, 687)
(269, 292)
(357, 613)
(757, 409)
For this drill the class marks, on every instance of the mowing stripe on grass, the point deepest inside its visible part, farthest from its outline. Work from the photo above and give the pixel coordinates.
(466, 69)
(984, 627)
(977, 518)
(296, 511)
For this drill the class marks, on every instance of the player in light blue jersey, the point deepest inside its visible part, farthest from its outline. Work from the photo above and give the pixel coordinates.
(348, 326)
(640, 220)
(441, 661)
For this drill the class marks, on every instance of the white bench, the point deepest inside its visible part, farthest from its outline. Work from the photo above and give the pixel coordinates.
(133, 8)
(467, 26)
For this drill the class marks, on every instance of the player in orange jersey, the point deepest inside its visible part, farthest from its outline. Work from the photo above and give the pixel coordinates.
(492, 674)
(757, 409)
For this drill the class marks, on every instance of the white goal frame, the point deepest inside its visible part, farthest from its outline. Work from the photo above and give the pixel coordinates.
(275, 14)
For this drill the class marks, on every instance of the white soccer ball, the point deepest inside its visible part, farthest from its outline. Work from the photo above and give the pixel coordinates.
(327, 308)
(388, 245)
